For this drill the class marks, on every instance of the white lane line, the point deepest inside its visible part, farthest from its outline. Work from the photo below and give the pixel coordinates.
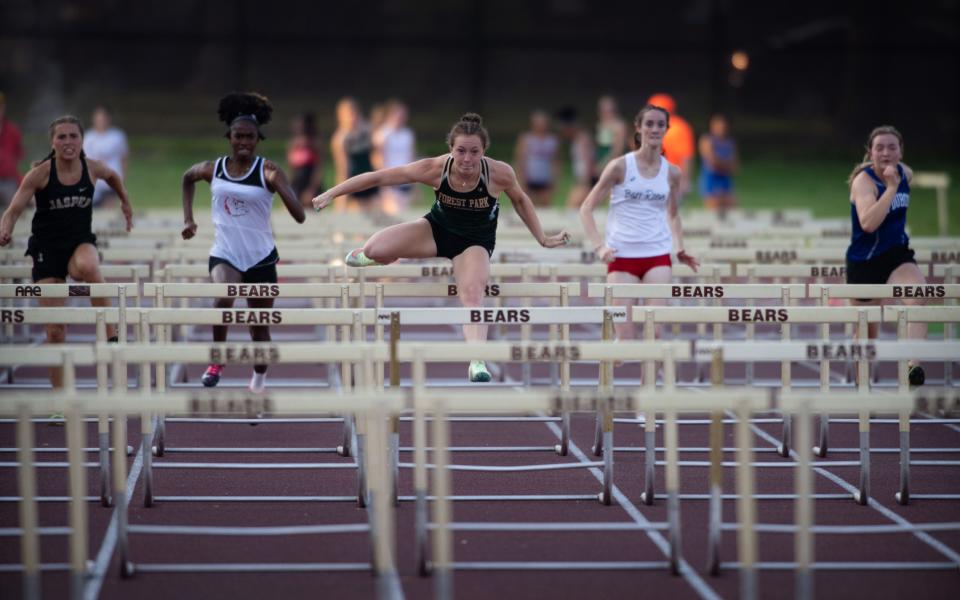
(883, 510)
(102, 562)
(947, 425)
(688, 573)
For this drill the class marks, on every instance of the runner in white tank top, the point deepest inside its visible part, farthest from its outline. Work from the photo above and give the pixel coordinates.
(242, 186)
(643, 224)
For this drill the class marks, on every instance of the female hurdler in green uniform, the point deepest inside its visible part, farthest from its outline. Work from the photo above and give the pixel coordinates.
(461, 226)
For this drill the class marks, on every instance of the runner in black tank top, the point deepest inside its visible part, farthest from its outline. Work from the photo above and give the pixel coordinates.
(463, 222)
(460, 219)
(62, 242)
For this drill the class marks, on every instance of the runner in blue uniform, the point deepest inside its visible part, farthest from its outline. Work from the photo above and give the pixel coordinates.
(879, 251)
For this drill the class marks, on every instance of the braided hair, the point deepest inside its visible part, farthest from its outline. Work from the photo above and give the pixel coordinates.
(245, 106)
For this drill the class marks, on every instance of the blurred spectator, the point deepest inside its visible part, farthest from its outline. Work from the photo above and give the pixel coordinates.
(678, 146)
(305, 157)
(535, 159)
(719, 163)
(11, 153)
(581, 155)
(350, 147)
(394, 144)
(611, 134)
(107, 144)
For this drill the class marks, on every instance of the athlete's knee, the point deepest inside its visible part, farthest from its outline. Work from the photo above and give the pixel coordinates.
(86, 269)
(377, 250)
(471, 293)
(56, 334)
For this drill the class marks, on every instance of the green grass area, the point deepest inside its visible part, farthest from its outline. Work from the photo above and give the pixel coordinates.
(158, 162)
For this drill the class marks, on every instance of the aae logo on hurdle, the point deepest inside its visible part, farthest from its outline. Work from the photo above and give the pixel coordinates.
(254, 291)
(244, 355)
(24, 291)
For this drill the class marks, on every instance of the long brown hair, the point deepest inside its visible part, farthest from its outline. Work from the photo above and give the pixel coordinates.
(65, 119)
(866, 162)
(639, 119)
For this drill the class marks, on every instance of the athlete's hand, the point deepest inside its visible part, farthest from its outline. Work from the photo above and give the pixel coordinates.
(320, 202)
(891, 176)
(127, 214)
(688, 260)
(557, 239)
(5, 238)
(189, 230)
(606, 253)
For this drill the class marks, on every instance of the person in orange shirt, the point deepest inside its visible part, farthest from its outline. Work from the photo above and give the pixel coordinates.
(679, 144)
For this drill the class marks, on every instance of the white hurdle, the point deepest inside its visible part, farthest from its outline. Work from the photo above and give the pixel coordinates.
(351, 322)
(375, 407)
(873, 350)
(441, 404)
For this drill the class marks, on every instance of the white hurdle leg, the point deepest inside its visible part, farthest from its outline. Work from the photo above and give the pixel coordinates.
(785, 382)
(27, 484)
(716, 493)
(103, 419)
(120, 490)
(862, 495)
(903, 495)
(420, 482)
(672, 484)
(803, 507)
(76, 442)
(606, 384)
(746, 509)
(822, 445)
(146, 420)
(442, 506)
(563, 447)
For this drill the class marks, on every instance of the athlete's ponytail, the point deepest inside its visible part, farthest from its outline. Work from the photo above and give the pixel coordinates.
(469, 124)
(639, 119)
(866, 162)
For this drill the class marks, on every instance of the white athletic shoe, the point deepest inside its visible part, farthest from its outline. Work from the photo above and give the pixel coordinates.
(356, 258)
(258, 383)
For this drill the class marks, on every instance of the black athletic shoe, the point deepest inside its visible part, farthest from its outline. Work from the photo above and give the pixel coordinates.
(916, 376)
(113, 339)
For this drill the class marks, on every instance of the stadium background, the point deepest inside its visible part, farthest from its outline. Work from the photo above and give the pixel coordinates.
(820, 76)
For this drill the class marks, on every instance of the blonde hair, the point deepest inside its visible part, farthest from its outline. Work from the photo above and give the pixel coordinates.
(866, 162)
